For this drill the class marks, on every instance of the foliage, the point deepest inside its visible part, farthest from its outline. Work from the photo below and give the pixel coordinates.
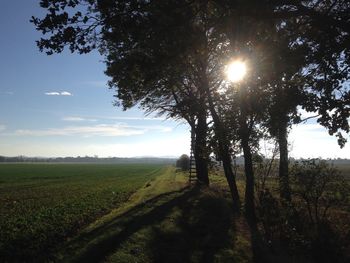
(183, 162)
(308, 227)
(323, 30)
(265, 169)
(42, 205)
(320, 186)
(170, 57)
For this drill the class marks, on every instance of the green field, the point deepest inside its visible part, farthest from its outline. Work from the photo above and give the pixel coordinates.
(121, 213)
(43, 205)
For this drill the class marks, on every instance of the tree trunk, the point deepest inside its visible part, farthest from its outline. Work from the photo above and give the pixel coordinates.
(249, 172)
(225, 156)
(229, 174)
(245, 132)
(224, 152)
(200, 149)
(283, 163)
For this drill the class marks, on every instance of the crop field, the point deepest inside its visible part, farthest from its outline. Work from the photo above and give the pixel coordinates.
(48, 210)
(42, 205)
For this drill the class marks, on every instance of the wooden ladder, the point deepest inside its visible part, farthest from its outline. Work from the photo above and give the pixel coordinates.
(192, 172)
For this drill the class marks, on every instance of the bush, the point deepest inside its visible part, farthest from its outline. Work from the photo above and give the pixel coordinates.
(304, 227)
(183, 162)
(319, 186)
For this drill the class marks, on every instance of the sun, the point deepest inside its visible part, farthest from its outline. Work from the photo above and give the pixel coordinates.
(236, 70)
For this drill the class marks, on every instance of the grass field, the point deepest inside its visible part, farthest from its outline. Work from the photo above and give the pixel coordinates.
(113, 213)
(119, 213)
(43, 205)
(165, 221)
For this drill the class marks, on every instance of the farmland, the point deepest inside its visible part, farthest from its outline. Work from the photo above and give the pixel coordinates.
(122, 213)
(42, 205)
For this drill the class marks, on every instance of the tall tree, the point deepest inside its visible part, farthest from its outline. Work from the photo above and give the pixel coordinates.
(134, 36)
(309, 67)
(316, 72)
(152, 48)
(168, 56)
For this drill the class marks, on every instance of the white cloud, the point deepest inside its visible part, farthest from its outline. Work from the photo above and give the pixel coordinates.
(158, 127)
(113, 130)
(125, 118)
(133, 118)
(86, 131)
(2, 127)
(72, 118)
(55, 93)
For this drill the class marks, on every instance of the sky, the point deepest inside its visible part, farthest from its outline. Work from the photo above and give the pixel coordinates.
(60, 105)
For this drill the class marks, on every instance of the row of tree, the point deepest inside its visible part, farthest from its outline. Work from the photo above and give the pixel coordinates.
(169, 57)
(85, 159)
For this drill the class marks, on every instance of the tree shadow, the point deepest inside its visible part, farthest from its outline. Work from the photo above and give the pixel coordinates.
(262, 251)
(259, 250)
(204, 228)
(124, 217)
(108, 238)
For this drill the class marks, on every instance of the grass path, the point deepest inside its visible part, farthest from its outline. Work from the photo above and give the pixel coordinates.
(164, 221)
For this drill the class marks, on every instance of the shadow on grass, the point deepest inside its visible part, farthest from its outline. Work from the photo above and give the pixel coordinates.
(202, 230)
(202, 226)
(259, 249)
(106, 239)
(132, 212)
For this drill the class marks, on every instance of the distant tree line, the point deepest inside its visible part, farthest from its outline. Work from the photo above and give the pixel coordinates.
(86, 159)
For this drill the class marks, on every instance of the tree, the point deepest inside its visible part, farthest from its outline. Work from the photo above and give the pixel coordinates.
(309, 68)
(320, 186)
(147, 61)
(292, 32)
(183, 162)
(169, 57)
(286, 94)
(142, 72)
(317, 77)
(249, 100)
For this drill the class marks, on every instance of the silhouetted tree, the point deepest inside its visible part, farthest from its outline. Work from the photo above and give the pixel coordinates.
(144, 70)
(169, 57)
(317, 68)
(309, 66)
(183, 162)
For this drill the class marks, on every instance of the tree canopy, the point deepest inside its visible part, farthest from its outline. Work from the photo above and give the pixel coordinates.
(170, 57)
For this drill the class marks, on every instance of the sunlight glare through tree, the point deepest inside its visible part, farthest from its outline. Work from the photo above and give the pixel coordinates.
(236, 70)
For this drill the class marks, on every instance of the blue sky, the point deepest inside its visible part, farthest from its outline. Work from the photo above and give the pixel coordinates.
(60, 105)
